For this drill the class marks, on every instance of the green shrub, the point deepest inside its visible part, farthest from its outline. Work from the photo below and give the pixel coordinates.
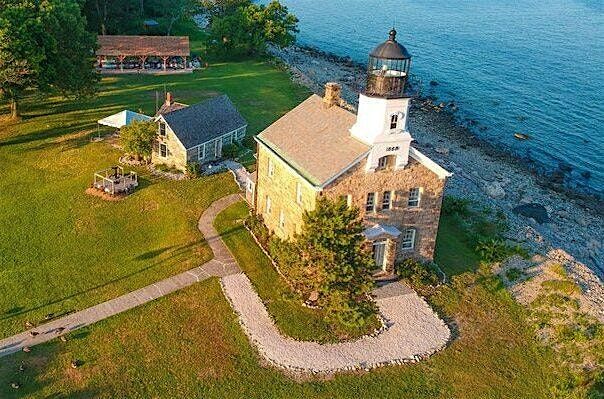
(193, 170)
(230, 151)
(256, 225)
(420, 275)
(493, 250)
(456, 206)
(514, 274)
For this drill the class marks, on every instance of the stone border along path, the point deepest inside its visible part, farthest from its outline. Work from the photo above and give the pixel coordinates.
(223, 264)
(413, 331)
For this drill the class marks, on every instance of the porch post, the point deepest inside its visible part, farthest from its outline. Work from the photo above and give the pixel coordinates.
(164, 59)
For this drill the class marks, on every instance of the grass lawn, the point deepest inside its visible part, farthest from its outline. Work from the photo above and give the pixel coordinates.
(200, 351)
(291, 317)
(61, 250)
(454, 253)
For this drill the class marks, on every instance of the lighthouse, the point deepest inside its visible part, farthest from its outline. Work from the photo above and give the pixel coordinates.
(384, 107)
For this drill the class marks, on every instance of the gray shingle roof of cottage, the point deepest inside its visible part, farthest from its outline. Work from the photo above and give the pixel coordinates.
(204, 121)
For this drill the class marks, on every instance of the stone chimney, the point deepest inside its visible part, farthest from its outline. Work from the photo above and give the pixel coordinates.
(332, 94)
(169, 99)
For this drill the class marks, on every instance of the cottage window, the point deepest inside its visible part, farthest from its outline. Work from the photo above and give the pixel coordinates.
(414, 197)
(387, 200)
(240, 132)
(393, 121)
(281, 219)
(201, 152)
(268, 205)
(271, 168)
(298, 193)
(162, 129)
(163, 150)
(370, 204)
(408, 241)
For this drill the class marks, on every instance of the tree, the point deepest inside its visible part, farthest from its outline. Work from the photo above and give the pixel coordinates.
(44, 45)
(328, 257)
(20, 55)
(137, 138)
(248, 28)
(69, 58)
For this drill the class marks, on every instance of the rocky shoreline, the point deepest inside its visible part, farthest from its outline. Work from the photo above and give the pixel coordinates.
(543, 215)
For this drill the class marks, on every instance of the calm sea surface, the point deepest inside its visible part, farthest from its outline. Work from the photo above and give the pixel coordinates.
(535, 67)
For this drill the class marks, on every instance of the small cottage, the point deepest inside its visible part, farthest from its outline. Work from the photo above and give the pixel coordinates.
(196, 133)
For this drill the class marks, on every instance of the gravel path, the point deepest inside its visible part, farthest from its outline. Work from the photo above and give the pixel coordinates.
(413, 332)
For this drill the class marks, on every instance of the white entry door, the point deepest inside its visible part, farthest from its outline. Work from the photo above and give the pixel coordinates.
(379, 254)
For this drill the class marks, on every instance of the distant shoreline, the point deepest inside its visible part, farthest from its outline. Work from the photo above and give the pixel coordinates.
(483, 172)
(457, 129)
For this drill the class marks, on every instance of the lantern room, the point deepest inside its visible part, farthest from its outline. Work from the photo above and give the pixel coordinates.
(388, 69)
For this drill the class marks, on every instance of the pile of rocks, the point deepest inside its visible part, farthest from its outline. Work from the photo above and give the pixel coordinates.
(482, 173)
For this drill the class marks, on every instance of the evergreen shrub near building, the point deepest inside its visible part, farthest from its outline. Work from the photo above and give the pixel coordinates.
(326, 262)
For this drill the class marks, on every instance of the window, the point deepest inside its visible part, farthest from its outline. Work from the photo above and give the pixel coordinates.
(162, 129)
(347, 199)
(268, 205)
(201, 152)
(414, 197)
(271, 168)
(163, 150)
(386, 161)
(387, 200)
(298, 193)
(281, 219)
(408, 241)
(370, 204)
(393, 121)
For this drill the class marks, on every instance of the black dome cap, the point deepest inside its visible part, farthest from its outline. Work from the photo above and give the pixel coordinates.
(391, 49)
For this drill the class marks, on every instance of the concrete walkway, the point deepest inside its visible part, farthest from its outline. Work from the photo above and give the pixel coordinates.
(413, 331)
(222, 265)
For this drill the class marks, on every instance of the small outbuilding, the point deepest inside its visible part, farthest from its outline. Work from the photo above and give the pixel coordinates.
(115, 50)
(196, 133)
(122, 118)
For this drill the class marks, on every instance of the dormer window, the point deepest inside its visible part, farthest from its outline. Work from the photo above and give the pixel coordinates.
(162, 129)
(393, 121)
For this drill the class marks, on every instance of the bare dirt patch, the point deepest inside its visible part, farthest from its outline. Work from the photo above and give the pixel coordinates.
(103, 195)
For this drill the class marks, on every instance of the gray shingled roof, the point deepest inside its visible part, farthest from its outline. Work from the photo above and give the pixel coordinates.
(204, 121)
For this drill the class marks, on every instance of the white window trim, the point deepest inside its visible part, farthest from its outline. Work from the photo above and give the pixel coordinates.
(419, 198)
(271, 168)
(159, 150)
(268, 205)
(165, 125)
(389, 205)
(410, 243)
(392, 116)
(298, 193)
(372, 202)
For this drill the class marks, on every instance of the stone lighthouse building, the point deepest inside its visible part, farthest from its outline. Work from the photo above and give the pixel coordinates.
(321, 149)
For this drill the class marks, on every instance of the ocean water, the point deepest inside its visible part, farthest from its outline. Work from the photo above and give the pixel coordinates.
(535, 67)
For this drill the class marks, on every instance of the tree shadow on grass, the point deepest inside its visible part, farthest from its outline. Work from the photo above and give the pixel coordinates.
(178, 251)
(34, 380)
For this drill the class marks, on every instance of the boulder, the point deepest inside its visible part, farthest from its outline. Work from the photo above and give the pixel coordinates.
(442, 150)
(494, 190)
(534, 211)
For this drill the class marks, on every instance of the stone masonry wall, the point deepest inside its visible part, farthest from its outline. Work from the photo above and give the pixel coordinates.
(281, 188)
(357, 183)
(177, 157)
